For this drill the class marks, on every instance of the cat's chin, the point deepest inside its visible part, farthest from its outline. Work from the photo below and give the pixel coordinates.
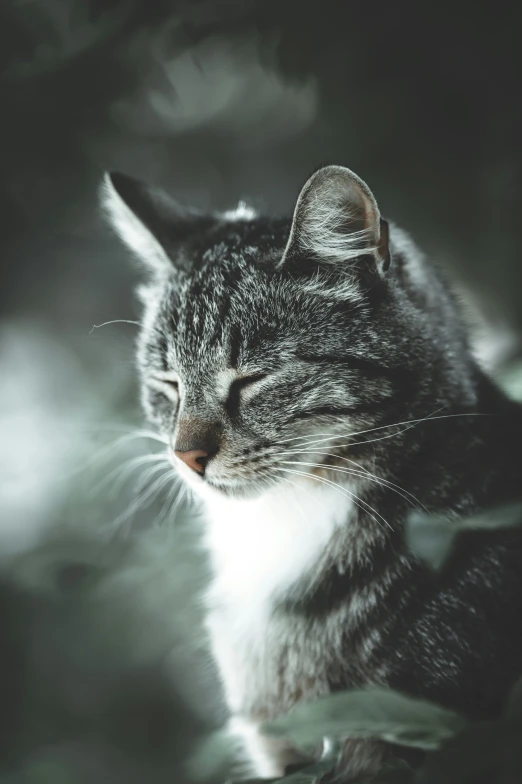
(208, 488)
(243, 490)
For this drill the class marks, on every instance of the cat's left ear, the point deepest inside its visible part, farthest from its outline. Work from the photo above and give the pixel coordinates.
(336, 220)
(149, 221)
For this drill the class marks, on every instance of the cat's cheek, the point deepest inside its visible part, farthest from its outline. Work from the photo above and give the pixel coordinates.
(159, 409)
(159, 421)
(152, 410)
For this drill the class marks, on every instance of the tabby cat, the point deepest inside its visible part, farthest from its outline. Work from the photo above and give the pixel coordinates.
(313, 381)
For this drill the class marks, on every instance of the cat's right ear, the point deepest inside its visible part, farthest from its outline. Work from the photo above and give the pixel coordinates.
(148, 221)
(336, 221)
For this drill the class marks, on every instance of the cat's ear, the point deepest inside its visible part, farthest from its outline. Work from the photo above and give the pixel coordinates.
(336, 219)
(149, 221)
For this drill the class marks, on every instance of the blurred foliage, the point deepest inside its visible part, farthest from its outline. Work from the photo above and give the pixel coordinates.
(458, 752)
(432, 538)
(369, 713)
(87, 679)
(510, 378)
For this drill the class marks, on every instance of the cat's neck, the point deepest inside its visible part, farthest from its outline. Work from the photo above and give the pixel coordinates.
(260, 548)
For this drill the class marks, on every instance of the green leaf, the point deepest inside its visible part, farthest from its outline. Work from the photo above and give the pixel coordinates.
(431, 538)
(368, 713)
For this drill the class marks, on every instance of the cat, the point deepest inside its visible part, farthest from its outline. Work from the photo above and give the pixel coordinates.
(313, 378)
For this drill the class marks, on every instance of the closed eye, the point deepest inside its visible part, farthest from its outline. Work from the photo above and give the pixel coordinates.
(169, 387)
(237, 386)
(241, 383)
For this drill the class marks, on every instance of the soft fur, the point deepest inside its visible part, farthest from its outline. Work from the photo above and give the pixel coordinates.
(323, 363)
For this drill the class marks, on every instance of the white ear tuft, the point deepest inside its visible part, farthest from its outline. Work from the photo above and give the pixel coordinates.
(130, 229)
(336, 219)
(243, 212)
(324, 233)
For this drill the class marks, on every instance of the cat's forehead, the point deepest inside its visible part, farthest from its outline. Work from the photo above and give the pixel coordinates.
(236, 306)
(257, 241)
(230, 314)
(240, 315)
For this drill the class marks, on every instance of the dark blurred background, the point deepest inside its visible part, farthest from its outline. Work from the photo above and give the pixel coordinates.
(103, 669)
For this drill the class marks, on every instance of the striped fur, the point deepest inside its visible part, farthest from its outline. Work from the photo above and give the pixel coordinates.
(301, 343)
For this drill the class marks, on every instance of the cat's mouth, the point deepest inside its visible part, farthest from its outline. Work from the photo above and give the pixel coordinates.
(251, 484)
(206, 482)
(224, 489)
(237, 488)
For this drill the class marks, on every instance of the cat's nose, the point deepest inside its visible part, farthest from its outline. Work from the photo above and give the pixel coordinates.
(196, 442)
(195, 459)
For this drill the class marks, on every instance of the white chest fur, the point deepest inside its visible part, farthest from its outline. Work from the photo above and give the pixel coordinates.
(258, 549)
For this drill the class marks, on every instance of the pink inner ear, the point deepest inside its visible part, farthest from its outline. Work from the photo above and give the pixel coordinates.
(335, 219)
(358, 195)
(342, 191)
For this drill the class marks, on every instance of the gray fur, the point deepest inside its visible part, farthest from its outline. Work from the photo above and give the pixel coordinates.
(342, 326)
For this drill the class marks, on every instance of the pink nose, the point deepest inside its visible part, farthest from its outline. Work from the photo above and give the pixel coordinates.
(192, 459)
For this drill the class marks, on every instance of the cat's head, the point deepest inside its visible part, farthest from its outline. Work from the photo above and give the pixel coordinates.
(267, 344)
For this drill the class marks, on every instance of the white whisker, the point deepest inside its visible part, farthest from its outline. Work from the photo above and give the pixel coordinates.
(301, 489)
(357, 501)
(371, 429)
(408, 423)
(171, 504)
(129, 432)
(147, 475)
(362, 474)
(381, 438)
(114, 321)
(379, 478)
(124, 471)
(144, 500)
(105, 452)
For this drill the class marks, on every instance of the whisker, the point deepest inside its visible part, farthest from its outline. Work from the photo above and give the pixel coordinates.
(104, 453)
(364, 474)
(121, 441)
(114, 321)
(141, 483)
(380, 478)
(409, 424)
(144, 500)
(128, 431)
(357, 501)
(147, 475)
(369, 430)
(381, 438)
(125, 470)
(300, 489)
(171, 504)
